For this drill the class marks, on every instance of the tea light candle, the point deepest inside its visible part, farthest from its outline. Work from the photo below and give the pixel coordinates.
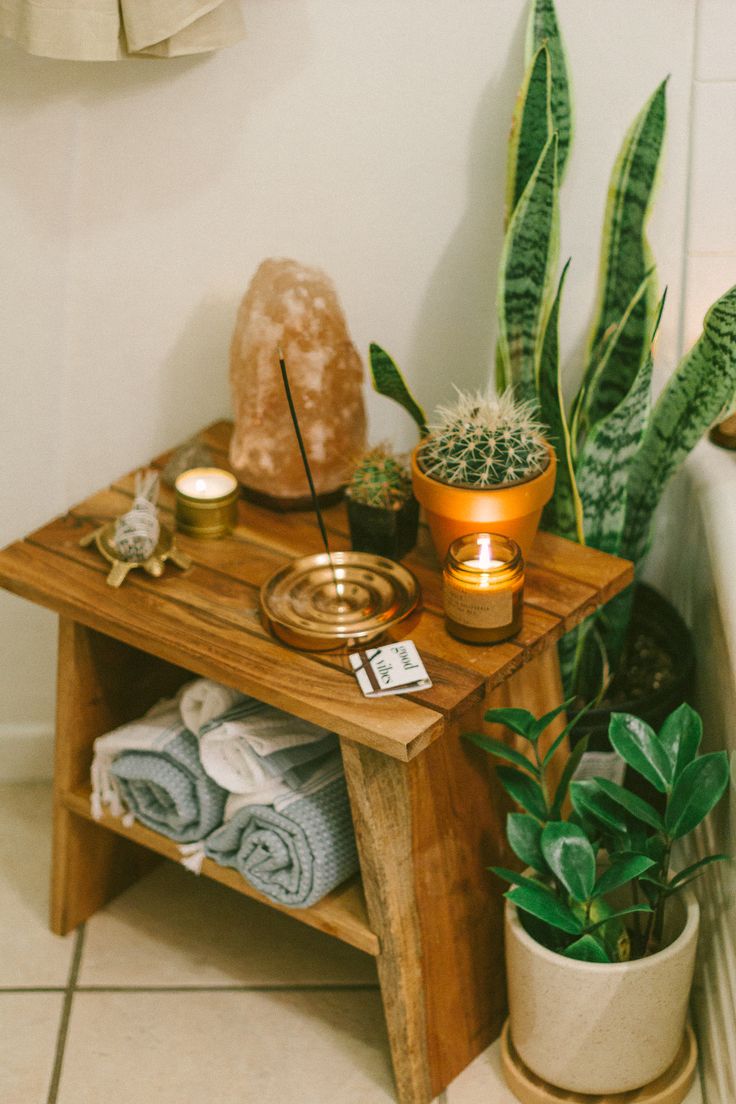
(483, 588)
(206, 502)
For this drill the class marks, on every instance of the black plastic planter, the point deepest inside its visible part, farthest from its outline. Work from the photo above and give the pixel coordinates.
(390, 533)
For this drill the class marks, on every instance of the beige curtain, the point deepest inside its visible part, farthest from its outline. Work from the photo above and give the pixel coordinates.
(105, 30)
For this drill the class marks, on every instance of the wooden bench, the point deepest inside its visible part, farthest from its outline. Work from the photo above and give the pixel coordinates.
(428, 815)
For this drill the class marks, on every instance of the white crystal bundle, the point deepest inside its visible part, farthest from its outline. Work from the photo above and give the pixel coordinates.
(137, 532)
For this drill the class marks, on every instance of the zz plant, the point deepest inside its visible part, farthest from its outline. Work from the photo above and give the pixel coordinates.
(612, 841)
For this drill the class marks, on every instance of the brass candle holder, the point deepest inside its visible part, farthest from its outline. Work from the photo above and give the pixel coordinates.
(206, 502)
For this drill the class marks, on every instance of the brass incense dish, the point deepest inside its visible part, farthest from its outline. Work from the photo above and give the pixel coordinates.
(320, 606)
(104, 539)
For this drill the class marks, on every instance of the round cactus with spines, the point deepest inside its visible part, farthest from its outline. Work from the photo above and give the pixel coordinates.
(481, 441)
(381, 479)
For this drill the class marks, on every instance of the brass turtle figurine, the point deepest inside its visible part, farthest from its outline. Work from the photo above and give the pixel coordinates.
(104, 539)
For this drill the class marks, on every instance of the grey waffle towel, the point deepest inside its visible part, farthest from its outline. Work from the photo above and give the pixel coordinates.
(168, 790)
(298, 849)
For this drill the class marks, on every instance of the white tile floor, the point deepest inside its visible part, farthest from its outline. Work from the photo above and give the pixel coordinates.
(182, 992)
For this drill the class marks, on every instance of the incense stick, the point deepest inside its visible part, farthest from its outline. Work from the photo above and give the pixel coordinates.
(307, 469)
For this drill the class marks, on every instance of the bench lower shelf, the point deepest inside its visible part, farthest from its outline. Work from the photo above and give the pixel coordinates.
(341, 913)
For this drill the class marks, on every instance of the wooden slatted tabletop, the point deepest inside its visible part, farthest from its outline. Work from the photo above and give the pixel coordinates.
(206, 618)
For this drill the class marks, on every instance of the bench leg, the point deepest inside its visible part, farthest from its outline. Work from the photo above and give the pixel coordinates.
(101, 683)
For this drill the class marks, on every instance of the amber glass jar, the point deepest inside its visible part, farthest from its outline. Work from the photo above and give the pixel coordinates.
(483, 588)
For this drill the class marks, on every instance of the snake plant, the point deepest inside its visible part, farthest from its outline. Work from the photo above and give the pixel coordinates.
(616, 450)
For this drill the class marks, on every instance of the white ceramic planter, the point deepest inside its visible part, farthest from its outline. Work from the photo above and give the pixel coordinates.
(596, 1027)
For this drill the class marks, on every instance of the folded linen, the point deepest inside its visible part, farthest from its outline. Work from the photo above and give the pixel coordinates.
(297, 849)
(167, 790)
(259, 751)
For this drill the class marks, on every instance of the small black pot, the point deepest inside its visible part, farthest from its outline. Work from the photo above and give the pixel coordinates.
(652, 613)
(389, 533)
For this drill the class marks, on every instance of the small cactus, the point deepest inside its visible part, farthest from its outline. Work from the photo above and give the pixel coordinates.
(381, 479)
(480, 441)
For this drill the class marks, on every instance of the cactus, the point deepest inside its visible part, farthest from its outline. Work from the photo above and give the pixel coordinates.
(481, 441)
(381, 479)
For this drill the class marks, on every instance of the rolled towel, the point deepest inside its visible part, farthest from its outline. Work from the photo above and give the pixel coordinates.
(168, 790)
(298, 849)
(203, 699)
(259, 751)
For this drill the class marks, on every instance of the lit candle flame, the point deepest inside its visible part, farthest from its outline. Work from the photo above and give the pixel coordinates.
(200, 485)
(485, 555)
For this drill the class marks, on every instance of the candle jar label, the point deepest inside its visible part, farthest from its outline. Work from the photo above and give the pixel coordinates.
(478, 608)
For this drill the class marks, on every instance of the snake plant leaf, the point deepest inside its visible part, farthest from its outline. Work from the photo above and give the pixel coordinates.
(638, 745)
(570, 857)
(502, 751)
(543, 28)
(531, 127)
(602, 469)
(626, 259)
(631, 802)
(388, 381)
(535, 900)
(587, 949)
(524, 790)
(701, 387)
(528, 260)
(563, 514)
(680, 736)
(700, 786)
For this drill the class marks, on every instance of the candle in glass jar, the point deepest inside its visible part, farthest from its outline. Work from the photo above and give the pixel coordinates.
(206, 502)
(483, 588)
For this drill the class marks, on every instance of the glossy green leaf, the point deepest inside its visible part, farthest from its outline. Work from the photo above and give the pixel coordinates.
(572, 764)
(502, 751)
(702, 386)
(516, 878)
(700, 786)
(587, 949)
(563, 514)
(533, 899)
(520, 721)
(388, 381)
(543, 28)
(570, 857)
(546, 720)
(531, 126)
(528, 261)
(524, 835)
(620, 912)
(632, 803)
(567, 729)
(625, 260)
(602, 469)
(621, 872)
(680, 736)
(524, 790)
(590, 802)
(638, 745)
(686, 874)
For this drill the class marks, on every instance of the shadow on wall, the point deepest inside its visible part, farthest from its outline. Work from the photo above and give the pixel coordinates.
(456, 326)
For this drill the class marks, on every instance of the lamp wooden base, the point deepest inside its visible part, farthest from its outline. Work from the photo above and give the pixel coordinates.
(671, 1088)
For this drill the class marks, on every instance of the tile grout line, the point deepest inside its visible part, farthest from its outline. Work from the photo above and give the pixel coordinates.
(65, 1015)
(325, 987)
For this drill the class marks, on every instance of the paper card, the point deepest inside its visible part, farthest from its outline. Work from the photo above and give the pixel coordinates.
(392, 669)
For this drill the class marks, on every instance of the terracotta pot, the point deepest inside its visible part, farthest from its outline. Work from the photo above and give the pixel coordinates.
(603, 1028)
(512, 511)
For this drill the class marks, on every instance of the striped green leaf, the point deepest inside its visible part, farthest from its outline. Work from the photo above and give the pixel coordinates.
(388, 381)
(603, 466)
(626, 259)
(528, 260)
(531, 127)
(543, 28)
(563, 514)
(699, 390)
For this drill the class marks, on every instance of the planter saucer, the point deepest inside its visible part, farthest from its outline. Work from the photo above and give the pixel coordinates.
(671, 1088)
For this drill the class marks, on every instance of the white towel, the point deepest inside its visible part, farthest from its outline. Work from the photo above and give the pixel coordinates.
(203, 700)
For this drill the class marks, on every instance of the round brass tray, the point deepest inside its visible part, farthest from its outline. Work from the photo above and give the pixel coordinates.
(302, 605)
(104, 540)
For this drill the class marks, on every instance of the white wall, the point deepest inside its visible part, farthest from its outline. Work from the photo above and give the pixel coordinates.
(364, 136)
